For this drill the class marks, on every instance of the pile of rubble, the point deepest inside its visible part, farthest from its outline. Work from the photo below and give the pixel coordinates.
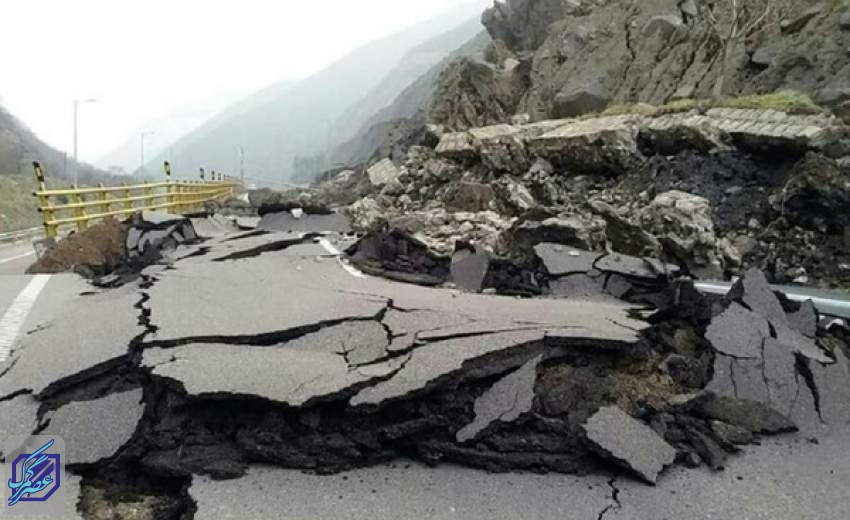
(111, 252)
(715, 192)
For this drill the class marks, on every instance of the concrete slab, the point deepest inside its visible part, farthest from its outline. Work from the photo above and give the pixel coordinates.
(507, 400)
(292, 376)
(84, 337)
(96, 430)
(629, 442)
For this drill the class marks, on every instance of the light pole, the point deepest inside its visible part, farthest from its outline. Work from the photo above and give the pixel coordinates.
(76, 158)
(142, 164)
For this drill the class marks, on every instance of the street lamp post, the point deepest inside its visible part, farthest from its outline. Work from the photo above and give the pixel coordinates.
(142, 165)
(76, 158)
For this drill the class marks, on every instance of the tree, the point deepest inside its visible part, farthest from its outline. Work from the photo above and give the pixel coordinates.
(732, 22)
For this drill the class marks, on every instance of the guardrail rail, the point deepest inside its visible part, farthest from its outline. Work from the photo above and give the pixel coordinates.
(80, 206)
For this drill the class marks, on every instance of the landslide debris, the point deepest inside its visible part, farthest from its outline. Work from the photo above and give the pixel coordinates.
(96, 251)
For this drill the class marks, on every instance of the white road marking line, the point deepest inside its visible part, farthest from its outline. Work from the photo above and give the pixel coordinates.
(337, 253)
(13, 258)
(13, 320)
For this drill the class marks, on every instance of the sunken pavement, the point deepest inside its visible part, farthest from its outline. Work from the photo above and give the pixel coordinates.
(268, 348)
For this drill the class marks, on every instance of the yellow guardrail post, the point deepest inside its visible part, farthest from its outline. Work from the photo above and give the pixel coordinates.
(79, 209)
(147, 195)
(50, 230)
(128, 204)
(104, 199)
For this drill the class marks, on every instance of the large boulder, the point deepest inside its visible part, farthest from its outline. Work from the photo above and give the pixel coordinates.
(605, 145)
(383, 172)
(683, 224)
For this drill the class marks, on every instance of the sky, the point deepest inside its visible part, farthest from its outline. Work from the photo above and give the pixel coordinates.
(143, 60)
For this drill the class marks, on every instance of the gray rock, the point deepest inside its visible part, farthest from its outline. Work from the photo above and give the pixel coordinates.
(732, 434)
(738, 332)
(629, 443)
(504, 402)
(96, 430)
(133, 237)
(625, 236)
(457, 145)
(580, 231)
(469, 197)
(683, 223)
(469, 268)
(383, 172)
(844, 21)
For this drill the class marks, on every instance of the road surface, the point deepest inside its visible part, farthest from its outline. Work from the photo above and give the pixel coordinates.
(228, 293)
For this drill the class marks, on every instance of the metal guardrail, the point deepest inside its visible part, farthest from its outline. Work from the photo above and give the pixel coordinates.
(19, 234)
(81, 206)
(829, 303)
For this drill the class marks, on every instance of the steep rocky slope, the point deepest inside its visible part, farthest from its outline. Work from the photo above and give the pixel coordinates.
(561, 58)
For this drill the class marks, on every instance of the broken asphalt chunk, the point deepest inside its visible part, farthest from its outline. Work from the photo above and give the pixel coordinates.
(432, 363)
(19, 417)
(505, 401)
(738, 332)
(469, 268)
(751, 415)
(560, 260)
(96, 430)
(629, 443)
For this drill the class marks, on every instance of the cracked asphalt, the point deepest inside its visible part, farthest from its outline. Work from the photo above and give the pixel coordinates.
(273, 323)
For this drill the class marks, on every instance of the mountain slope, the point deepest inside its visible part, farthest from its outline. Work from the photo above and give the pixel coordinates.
(302, 120)
(19, 147)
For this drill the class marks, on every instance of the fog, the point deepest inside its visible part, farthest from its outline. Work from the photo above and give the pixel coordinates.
(144, 61)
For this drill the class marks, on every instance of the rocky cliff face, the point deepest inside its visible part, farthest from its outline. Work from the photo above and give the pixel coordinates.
(580, 56)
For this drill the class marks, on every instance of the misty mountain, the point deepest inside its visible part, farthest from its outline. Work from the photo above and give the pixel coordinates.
(381, 128)
(19, 147)
(285, 121)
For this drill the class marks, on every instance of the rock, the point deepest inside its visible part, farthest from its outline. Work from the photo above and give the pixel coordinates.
(501, 148)
(514, 195)
(605, 145)
(469, 268)
(797, 24)
(662, 26)
(629, 443)
(366, 214)
(738, 332)
(383, 172)
(504, 402)
(263, 197)
(470, 197)
(683, 224)
(732, 434)
(844, 21)
(96, 251)
(397, 255)
(816, 193)
(457, 145)
(751, 415)
(623, 235)
(580, 231)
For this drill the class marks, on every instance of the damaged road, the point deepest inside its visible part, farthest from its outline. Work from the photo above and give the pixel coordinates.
(253, 356)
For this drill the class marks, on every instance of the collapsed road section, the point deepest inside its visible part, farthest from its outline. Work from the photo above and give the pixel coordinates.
(257, 348)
